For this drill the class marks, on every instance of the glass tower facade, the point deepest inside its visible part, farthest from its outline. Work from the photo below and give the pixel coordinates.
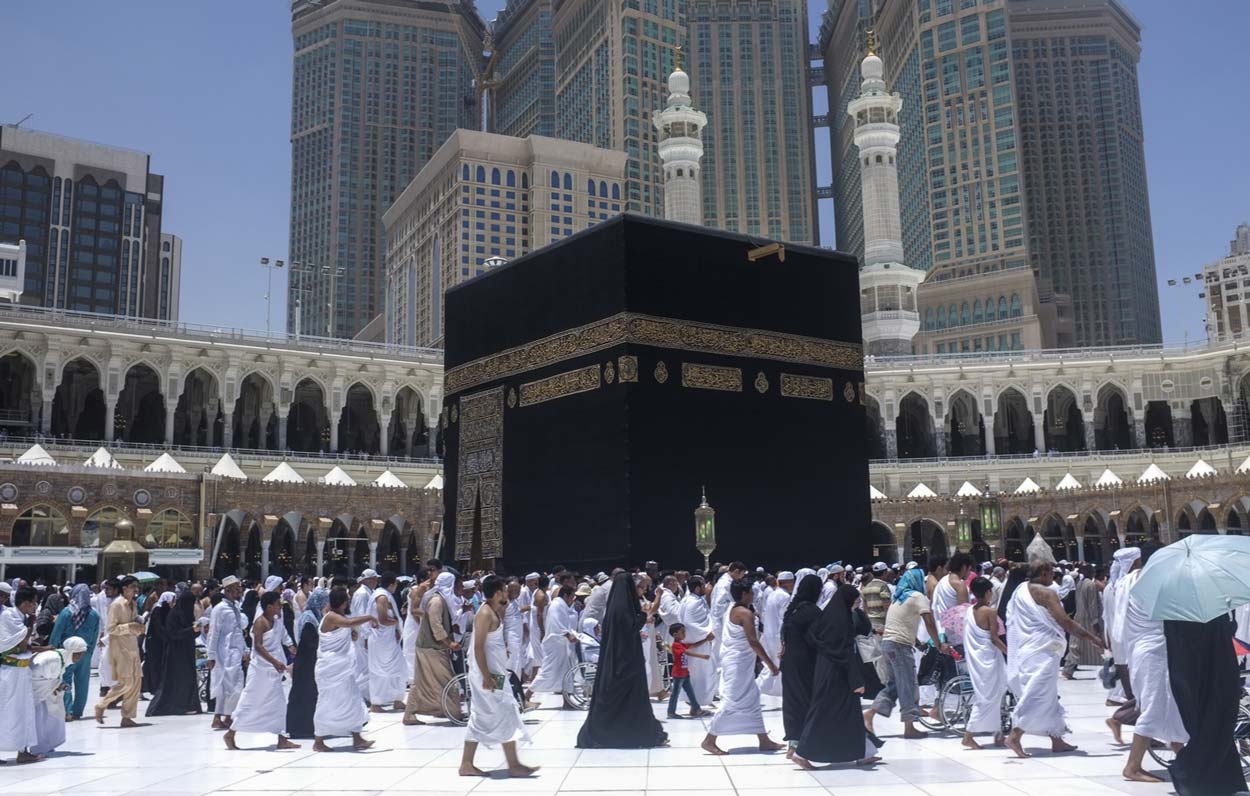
(998, 166)
(748, 71)
(378, 87)
(524, 77)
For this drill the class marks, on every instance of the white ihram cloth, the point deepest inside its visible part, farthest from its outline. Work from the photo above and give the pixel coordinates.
(104, 669)
(388, 669)
(1119, 618)
(409, 639)
(362, 602)
(655, 678)
(514, 637)
(46, 669)
(1035, 642)
(495, 717)
(944, 597)
(1148, 670)
(18, 729)
(719, 607)
(340, 706)
(262, 705)
(988, 672)
(740, 712)
(670, 609)
(534, 651)
(774, 612)
(827, 590)
(694, 615)
(557, 651)
(226, 649)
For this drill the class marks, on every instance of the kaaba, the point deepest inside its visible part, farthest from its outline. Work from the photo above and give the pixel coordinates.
(595, 388)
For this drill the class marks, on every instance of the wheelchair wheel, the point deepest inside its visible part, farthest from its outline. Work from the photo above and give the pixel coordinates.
(579, 686)
(954, 703)
(456, 700)
(201, 676)
(1241, 734)
(1009, 707)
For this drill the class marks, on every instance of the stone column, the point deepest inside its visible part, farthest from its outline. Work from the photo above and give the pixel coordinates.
(403, 559)
(1139, 432)
(891, 443)
(902, 554)
(373, 555)
(266, 413)
(989, 436)
(227, 426)
(45, 419)
(171, 410)
(210, 422)
(1091, 442)
(432, 439)
(264, 558)
(384, 436)
(110, 412)
(939, 442)
(1039, 433)
(1080, 548)
(321, 560)
(283, 413)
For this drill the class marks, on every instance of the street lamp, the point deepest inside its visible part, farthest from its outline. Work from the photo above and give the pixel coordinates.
(705, 530)
(963, 531)
(991, 517)
(269, 269)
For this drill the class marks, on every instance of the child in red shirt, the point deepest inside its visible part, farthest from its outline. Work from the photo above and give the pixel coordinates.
(681, 671)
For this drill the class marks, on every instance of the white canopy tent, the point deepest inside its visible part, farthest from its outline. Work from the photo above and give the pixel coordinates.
(284, 473)
(1155, 473)
(1069, 482)
(389, 479)
(435, 483)
(921, 491)
(102, 459)
(1028, 487)
(875, 494)
(165, 464)
(227, 468)
(968, 490)
(36, 456)
(1244, 466)
(337, 477)
(1200, 470)
(1108, 479)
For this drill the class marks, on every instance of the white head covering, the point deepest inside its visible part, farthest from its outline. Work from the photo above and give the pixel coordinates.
(880, 566)
(532, 576)
(803, 573)
(164, 599)
(785, 576)
(1121, 562)
(229, 580)
(272, 582)
(1039, 552)
(837, 569)
(445, 585)
(823, 574)
(74, 645)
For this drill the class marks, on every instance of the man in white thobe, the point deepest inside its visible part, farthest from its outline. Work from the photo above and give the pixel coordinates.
(561, 633)
(101, 602)
(773, 611)
(361, 605)
(17, 695)
(47, 669)
(226, 652)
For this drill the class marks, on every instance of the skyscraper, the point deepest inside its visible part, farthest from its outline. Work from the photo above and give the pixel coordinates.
(523, 71)
(379, 85)
(91, 218)
(613, 58)
(1008, 175)
(748, 65)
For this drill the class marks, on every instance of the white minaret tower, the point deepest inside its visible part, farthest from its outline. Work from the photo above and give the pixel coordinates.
(887, 287)
(681, 148)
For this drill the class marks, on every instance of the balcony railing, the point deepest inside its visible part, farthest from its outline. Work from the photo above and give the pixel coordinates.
(1124, 453)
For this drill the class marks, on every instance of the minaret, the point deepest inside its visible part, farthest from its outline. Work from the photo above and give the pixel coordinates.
(887, 286)
(681, 148)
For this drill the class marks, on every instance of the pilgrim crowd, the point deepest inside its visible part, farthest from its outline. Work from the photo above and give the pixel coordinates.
(840, 646)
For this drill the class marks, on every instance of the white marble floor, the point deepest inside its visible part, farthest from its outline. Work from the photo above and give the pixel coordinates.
(180, 755)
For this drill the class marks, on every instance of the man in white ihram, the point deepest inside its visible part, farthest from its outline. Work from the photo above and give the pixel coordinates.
(362, 602)
(773, 612)
(695, 616)
(227, 652)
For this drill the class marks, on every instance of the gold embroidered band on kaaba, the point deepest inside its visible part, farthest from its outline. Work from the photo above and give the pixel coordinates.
(671, 333)
(561, 385)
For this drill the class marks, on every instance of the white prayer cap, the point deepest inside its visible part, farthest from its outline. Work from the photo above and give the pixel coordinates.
(912, 565)
(822, 573)
(1064, 562)
(759, 570)
(880, 566)
(532, 576)
(600, 578)
(859, 570)
(897, 567)
(837, 569)
(803, 573)
(74, 645)
(273, 582)
(228, 581)
(368, 573)
(785, 576)
(470, 584)
(985, 566)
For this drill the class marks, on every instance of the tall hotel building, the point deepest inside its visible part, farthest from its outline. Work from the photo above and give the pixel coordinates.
(378, 86)
(484, 199)
(613, 58)
(748, 67)
(523, 79)
(91, 218)
(1020, 164)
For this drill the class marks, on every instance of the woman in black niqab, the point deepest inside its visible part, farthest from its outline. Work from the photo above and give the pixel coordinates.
(179, 694)
(1018, 574)
(620, 708)
(1207, 687)
(833, 731)
(798, 659)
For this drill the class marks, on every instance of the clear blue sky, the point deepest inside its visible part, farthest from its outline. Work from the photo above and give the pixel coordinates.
(205, 88)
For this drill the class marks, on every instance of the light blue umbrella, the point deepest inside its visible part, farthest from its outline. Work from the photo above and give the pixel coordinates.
(1196, 579)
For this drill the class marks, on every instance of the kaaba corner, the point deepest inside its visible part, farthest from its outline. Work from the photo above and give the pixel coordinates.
(595, 387)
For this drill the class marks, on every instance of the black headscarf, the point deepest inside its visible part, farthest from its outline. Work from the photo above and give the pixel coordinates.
(620, 709)
(834, 633)
(808, 591)
(182, 615)
(1018, 575)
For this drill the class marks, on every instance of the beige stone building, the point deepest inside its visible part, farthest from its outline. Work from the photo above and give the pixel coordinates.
(484, 199)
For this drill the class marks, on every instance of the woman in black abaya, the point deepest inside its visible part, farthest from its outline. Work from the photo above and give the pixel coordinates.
(179, 694)
(833, 731)
(302, 702)
(1207, 688)
(620, 709)
(154, 644)
(798, 658)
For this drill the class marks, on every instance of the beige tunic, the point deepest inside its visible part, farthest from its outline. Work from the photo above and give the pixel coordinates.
(433, 662)
(123, 650)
